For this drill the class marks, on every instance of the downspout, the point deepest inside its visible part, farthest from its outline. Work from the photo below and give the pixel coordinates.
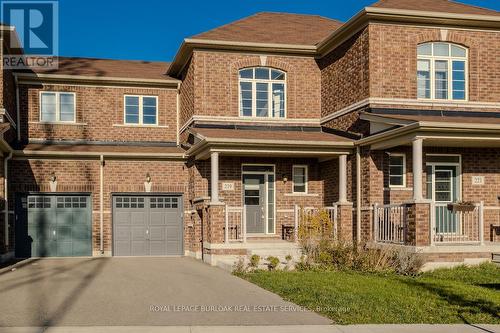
(6, 196)
(101, 203)
(358, 195)
(18, 110)
(177, 110)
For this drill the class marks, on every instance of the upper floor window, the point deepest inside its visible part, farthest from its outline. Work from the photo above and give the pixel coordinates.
(141, 110)
(262, 93)
(57, 106)
(442, 71)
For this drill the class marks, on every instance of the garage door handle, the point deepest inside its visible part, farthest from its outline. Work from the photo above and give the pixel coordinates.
(53, 232)
(147, 233)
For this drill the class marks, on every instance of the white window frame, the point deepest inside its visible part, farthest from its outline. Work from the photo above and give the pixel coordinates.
(141, 114)
(306, 178)
(449, 59)
(58, 106)
(403, 155)
(269, 92)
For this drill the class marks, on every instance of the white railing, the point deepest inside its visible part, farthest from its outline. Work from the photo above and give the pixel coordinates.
(390, 223)
(303, 214)
(235, 224)
(450, 226)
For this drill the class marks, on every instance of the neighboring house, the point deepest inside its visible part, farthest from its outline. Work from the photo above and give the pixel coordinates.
(382, 121)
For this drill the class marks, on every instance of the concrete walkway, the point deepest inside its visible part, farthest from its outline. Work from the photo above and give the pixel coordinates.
(262, 329)
(137, 292)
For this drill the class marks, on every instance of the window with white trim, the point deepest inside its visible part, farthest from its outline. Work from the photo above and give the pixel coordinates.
(57, 106)
(141, 110)
(262, 92)
(441, 71)
(299, 175)
(397, 170)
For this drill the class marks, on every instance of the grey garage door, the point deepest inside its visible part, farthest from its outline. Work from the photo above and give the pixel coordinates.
(53, 226)
(147, 225)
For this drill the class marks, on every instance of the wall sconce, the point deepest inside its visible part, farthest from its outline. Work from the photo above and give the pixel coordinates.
(285, 178)
(53, 182)
(147, 183)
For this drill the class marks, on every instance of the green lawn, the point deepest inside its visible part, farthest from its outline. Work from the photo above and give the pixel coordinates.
(460, 295)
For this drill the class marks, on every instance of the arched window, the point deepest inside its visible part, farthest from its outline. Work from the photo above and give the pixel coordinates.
(442, 71)
(262, 92)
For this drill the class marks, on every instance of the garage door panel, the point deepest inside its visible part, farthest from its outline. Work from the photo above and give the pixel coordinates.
(53, 223)
(158, 248)
(148, 218)
(81, 247)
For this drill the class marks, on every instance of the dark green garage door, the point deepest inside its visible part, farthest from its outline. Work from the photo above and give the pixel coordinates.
(147, 225)
(54, 226)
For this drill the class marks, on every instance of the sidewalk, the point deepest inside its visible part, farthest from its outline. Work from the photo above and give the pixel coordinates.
(262, 329)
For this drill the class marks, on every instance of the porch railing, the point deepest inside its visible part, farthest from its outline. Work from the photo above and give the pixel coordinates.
(235, 224)
(390, 223)
(450, 226)
(304, 214)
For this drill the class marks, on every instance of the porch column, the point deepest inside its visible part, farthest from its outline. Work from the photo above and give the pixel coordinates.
(214, 176)
(342, 178)
(417, 169)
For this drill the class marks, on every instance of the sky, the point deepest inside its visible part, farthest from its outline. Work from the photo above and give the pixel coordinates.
(153, 29)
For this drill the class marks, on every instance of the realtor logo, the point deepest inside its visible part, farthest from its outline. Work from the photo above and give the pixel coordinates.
(34, 40)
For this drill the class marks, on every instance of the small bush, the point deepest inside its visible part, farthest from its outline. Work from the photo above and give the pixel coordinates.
(288, 258)
(254, 261)
(239, 266)
(273, 263)
(407, 262)
(303, 264)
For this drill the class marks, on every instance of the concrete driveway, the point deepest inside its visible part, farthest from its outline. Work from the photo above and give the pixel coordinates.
(138, 292)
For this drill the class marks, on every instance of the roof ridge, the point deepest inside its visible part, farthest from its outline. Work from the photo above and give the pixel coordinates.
(227, 24)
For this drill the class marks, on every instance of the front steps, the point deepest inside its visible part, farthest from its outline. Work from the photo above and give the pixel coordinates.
(275, 248)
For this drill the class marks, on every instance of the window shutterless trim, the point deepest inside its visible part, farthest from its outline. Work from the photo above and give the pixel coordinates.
(403, 155)
(306, 178)
(58, 107)
(269, 83)
(449, 59)
(141, 111)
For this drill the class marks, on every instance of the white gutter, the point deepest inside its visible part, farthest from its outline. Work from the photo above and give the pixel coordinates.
(6, 198)
(358, 195)
(101, 203)
(177, 110)
(18, 111)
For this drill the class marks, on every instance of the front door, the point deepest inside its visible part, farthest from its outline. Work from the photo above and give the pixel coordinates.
(443, 186)
(255, 201)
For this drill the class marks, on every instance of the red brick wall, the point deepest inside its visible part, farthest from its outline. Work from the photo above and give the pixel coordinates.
(98, 112)
(393, 60)
(215, 90)
(83, 176)
(345, 75)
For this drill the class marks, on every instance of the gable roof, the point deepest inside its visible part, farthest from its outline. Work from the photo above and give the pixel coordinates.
(443, 6)
(108, 68)
(277, 28)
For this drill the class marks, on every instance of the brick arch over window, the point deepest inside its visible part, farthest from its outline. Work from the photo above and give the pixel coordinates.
(270, 62)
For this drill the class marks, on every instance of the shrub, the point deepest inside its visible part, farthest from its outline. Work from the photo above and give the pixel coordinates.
(407, 262)
(254, 261)
(239, 266)
(273, 263)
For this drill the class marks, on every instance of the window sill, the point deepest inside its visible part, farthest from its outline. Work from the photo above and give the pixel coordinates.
(301, 195)
(57, 123)
(398, 188)
(139, 126)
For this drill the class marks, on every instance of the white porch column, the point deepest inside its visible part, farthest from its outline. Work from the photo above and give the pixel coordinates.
(342, 178)
(214, 176)
(417, 169)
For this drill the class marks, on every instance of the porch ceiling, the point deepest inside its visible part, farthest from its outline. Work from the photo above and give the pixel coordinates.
(279, 143)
